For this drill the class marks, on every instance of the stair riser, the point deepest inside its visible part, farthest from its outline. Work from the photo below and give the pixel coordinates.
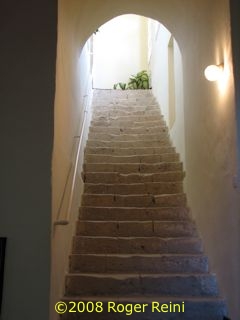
(128, 144)
(136, 229)
(124, 104)
(127, 137)
(132, 118)
(133, 167)
(197, 310)
(129, 151)
(120, 131)
(114, 108)
(135, 264)
(128, 123)
(113, 113)
(181, 286)
(136, 245)
(111, 177)
(126, 96)
(126, 189)
(131, 214)
(118, 96)
(171, 157)
(102, 200)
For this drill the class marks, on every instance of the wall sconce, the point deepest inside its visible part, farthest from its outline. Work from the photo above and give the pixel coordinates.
(213, 72)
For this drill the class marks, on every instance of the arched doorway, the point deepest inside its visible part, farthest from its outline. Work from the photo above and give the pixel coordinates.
(128, 44)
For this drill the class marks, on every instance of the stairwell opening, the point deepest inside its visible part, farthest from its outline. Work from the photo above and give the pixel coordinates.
(130, 43)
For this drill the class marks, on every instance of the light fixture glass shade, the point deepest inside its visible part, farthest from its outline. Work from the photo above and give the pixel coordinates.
(213, 72)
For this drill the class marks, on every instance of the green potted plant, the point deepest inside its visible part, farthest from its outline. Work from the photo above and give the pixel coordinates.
(138, 81)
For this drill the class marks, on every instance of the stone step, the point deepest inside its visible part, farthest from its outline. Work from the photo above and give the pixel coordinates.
(165, 157)
(148, 308)
(85, 244)
(127, 137)
(124, 100)
(133, 167)
(133, 118)
(108, 113)
(123, 104)
(128, 123)
(130, 151)
(138, 263)
(109, 93)
(127, 100)
(131, 213)
(112, 107)
(115, 177)
(132, 99)
(119, 130)
(142, 200)
(164, 141)
(134, 188)
(203, 285)
(164, 229)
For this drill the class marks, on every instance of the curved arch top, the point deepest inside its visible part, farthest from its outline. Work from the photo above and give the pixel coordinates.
(91, 15)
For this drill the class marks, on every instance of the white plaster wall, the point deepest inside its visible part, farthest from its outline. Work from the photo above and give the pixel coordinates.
(158, 61)
(159, 66)
(177, 132)
(202, 30)
(119, 50)
(73, 96)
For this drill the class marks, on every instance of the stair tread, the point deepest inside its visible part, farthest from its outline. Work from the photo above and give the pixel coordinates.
(140, 275)
(147, 255)
(137, 237)
(132, 184)
(140, 222)
(135, 195)
(129, 141)
(133, 208)
(133, 148)
(131, 173)
(142, 163)
(129, 156)
(143, 298)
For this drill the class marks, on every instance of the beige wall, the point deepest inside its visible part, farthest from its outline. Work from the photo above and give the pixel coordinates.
(201, 28)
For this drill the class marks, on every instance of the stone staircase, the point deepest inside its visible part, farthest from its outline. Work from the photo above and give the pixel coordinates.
(135, 241)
